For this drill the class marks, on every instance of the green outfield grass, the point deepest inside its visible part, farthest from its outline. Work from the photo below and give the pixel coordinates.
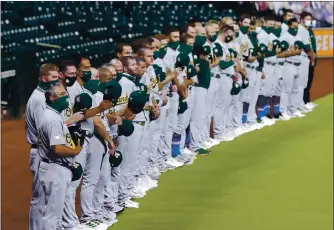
(277, 178)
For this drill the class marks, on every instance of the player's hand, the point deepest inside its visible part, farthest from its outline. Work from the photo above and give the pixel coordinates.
(197, 68)
(116, 143)
(173, 88)
(129, 115)
(76, 117)
(111, 147)
(263, 76)
(183, 92)
(215, 61)
(164, 98)
(104, 105)
(78, 148)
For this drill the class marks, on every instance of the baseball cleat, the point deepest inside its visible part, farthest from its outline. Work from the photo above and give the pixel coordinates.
(284, 116)
(297, 114)
(305, 110)
(131, 204)
(203, 152)
(267, 122)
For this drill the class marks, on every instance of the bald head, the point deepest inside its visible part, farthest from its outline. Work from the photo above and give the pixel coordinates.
(201, 31)
(117, 64)
(95, 73)
(105, 75)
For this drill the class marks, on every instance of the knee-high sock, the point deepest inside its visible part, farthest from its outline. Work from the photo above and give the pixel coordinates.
(267, 107)
(261, 104)
(187, 137)
(245, 112)
(176, 144)
(276, 102)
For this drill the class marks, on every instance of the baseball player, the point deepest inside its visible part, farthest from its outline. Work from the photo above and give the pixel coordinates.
(307, 58)
(48, 74)
(291, 77)
(56, 149)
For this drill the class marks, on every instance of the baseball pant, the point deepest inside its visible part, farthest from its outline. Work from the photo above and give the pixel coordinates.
(307, 89)
(235, 111)
(37, 200)
(210, 104)
(129, 162)
(224, 98)
(278, 83)
(170, 126)
(55, 181)
(70, 218)
(268, 82)
(290, 90)
(304, 70)
(197, 118)
(184, 119)
(159, 136)
(90, 179)
(254, 78)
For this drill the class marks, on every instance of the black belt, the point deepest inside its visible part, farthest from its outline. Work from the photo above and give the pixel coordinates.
(33, 146)
(58, 163)
(141, 123)
(293, 63)
(76, 171)
(250, 67)
(216, 76)
(228, 75)
(270, 63)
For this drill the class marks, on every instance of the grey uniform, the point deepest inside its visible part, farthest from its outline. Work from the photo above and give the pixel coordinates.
(54, 174)
(34, 112)
(70, 218)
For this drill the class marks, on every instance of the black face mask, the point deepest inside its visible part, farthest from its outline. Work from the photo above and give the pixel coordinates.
(69, 81)
(228, 38)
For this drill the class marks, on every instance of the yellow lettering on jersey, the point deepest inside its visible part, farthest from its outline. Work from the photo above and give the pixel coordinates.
(112, 111)
(244, 47)
(123, 100)
(270, 46)
(68, 112)
(68, 139)
(228, 57)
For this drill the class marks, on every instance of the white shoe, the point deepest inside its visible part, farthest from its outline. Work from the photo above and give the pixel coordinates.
(267, 121)
(137, 192)
(207, 145)
(116, 209)
(110, 222)
(227, 138)
(257, 126)
(313, 105)
(305, 110)
(174, 162)
(214, 142)
(79, 227)
(239, 131)
(285, 117)
(297, 114)
(131, 204)
(185, 159)
(154, 174)
(187, 151)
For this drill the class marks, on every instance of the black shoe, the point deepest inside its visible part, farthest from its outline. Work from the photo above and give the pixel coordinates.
(276, 116)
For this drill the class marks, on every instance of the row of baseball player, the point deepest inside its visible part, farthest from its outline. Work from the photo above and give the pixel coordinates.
(116, 129)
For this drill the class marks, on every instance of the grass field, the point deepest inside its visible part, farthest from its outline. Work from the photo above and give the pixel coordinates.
(277, 178)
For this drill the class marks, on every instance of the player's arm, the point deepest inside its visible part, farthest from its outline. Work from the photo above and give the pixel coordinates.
(57, 141)
(169, 77)
(100, 129)
(65, 151)
(187, 81)
(103, 106)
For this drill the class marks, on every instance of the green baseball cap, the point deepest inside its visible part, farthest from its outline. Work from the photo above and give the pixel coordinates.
(235, 88)
(116, 159)
(137, 101)
(245, 83)
(92, 85)
(263, 48)
(184, 48)
(284, 45)
(299, 45)
(199, 40)
(182, 59)
(126, 129)
(112, 90)
(183, 106)
(191, 71)
(218, 50)
(82, 102)
(77, 171)
(276, 44)
(233, 52)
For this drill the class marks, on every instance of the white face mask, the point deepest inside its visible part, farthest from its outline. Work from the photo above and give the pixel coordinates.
(308, 23)
(258, 29)
(314, 23)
